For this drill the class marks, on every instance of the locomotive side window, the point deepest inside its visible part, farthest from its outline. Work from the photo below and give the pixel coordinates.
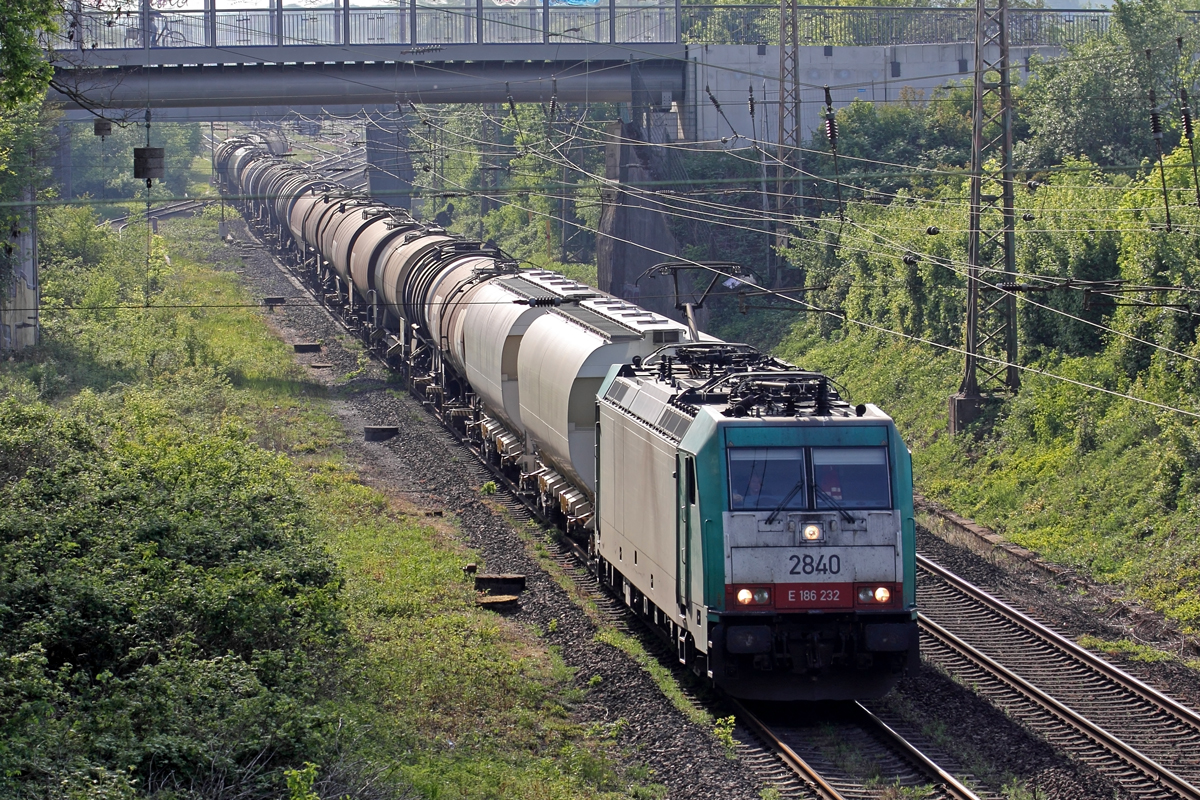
(761, 478)
(851, 477)
(691, 480)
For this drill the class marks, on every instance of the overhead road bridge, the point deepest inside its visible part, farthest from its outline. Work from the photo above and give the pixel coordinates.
(345, 53)
(213, 53)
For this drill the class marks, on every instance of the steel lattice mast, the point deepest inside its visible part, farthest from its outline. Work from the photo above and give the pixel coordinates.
(787, 167)
(991, 325)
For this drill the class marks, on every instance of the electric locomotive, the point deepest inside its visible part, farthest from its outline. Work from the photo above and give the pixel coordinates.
(760, 519)
(737, 503)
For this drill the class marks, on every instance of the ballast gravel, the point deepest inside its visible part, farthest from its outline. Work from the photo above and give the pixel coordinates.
(427, 467)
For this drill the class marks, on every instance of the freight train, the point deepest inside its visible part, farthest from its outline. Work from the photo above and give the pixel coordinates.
(741, 506)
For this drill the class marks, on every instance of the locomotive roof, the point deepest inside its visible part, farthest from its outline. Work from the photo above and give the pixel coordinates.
(732, 381)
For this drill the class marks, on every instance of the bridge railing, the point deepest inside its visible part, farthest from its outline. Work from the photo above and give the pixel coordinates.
(439, 22)
(352, 22)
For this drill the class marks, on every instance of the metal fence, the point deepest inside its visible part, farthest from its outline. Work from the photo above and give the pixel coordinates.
(423, 22)
(434, 22)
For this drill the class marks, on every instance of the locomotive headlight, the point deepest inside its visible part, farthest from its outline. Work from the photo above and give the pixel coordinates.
(876, 594)
(753, 596)
(812, 533)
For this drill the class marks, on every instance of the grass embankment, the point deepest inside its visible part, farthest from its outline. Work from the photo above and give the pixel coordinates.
(1102, 484)
(198, 598)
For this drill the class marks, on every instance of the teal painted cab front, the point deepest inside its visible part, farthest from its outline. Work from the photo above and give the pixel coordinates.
(808, 554)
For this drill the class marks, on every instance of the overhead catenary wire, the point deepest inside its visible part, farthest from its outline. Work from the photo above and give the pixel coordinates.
(727, 206)
(950, 348)
(1046, 278)
(899, 334)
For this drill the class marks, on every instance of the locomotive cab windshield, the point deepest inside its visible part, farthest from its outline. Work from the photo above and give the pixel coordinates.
(793, 478)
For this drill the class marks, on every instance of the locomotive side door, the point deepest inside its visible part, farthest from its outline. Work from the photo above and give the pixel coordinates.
(685, 519)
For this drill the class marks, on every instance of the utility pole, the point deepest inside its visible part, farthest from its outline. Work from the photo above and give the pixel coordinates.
(991, 324)
(788, 186)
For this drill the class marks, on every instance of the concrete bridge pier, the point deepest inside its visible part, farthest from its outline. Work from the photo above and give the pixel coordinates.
(390, 169)
(634, 233)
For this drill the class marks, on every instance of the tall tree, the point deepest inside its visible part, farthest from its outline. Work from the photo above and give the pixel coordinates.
(24, 70)
(1095, 103)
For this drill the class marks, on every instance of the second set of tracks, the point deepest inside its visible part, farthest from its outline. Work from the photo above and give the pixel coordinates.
(1142, 741)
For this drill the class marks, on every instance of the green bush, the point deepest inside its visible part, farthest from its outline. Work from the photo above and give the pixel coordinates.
(165, 613)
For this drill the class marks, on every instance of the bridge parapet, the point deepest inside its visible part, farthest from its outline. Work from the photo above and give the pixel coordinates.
(161, 26)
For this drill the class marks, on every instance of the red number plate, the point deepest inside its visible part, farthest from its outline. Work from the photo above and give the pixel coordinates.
(814, 595)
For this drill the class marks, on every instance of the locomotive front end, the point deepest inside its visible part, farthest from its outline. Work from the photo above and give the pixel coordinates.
(816, 553)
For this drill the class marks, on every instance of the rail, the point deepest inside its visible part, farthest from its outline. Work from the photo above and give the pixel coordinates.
(947, 785)
(162, 24)
(1154, 772)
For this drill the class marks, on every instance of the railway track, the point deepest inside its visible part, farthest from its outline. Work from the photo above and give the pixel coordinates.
(1144, 742)
(166, 210)
(848, 753)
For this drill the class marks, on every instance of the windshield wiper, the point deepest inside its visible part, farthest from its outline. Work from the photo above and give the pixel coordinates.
(799, 485)
(824, 495)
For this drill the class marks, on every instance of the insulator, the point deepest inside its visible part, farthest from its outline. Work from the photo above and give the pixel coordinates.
(1155, 125)
(544, 302)
(1186, 114)
(1008, 287)
(911, 259)
(933, 230)
(553, 106)
(716, 105)
(1027, 217)
(831, 131)
(751, 101)
(1032, 185)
